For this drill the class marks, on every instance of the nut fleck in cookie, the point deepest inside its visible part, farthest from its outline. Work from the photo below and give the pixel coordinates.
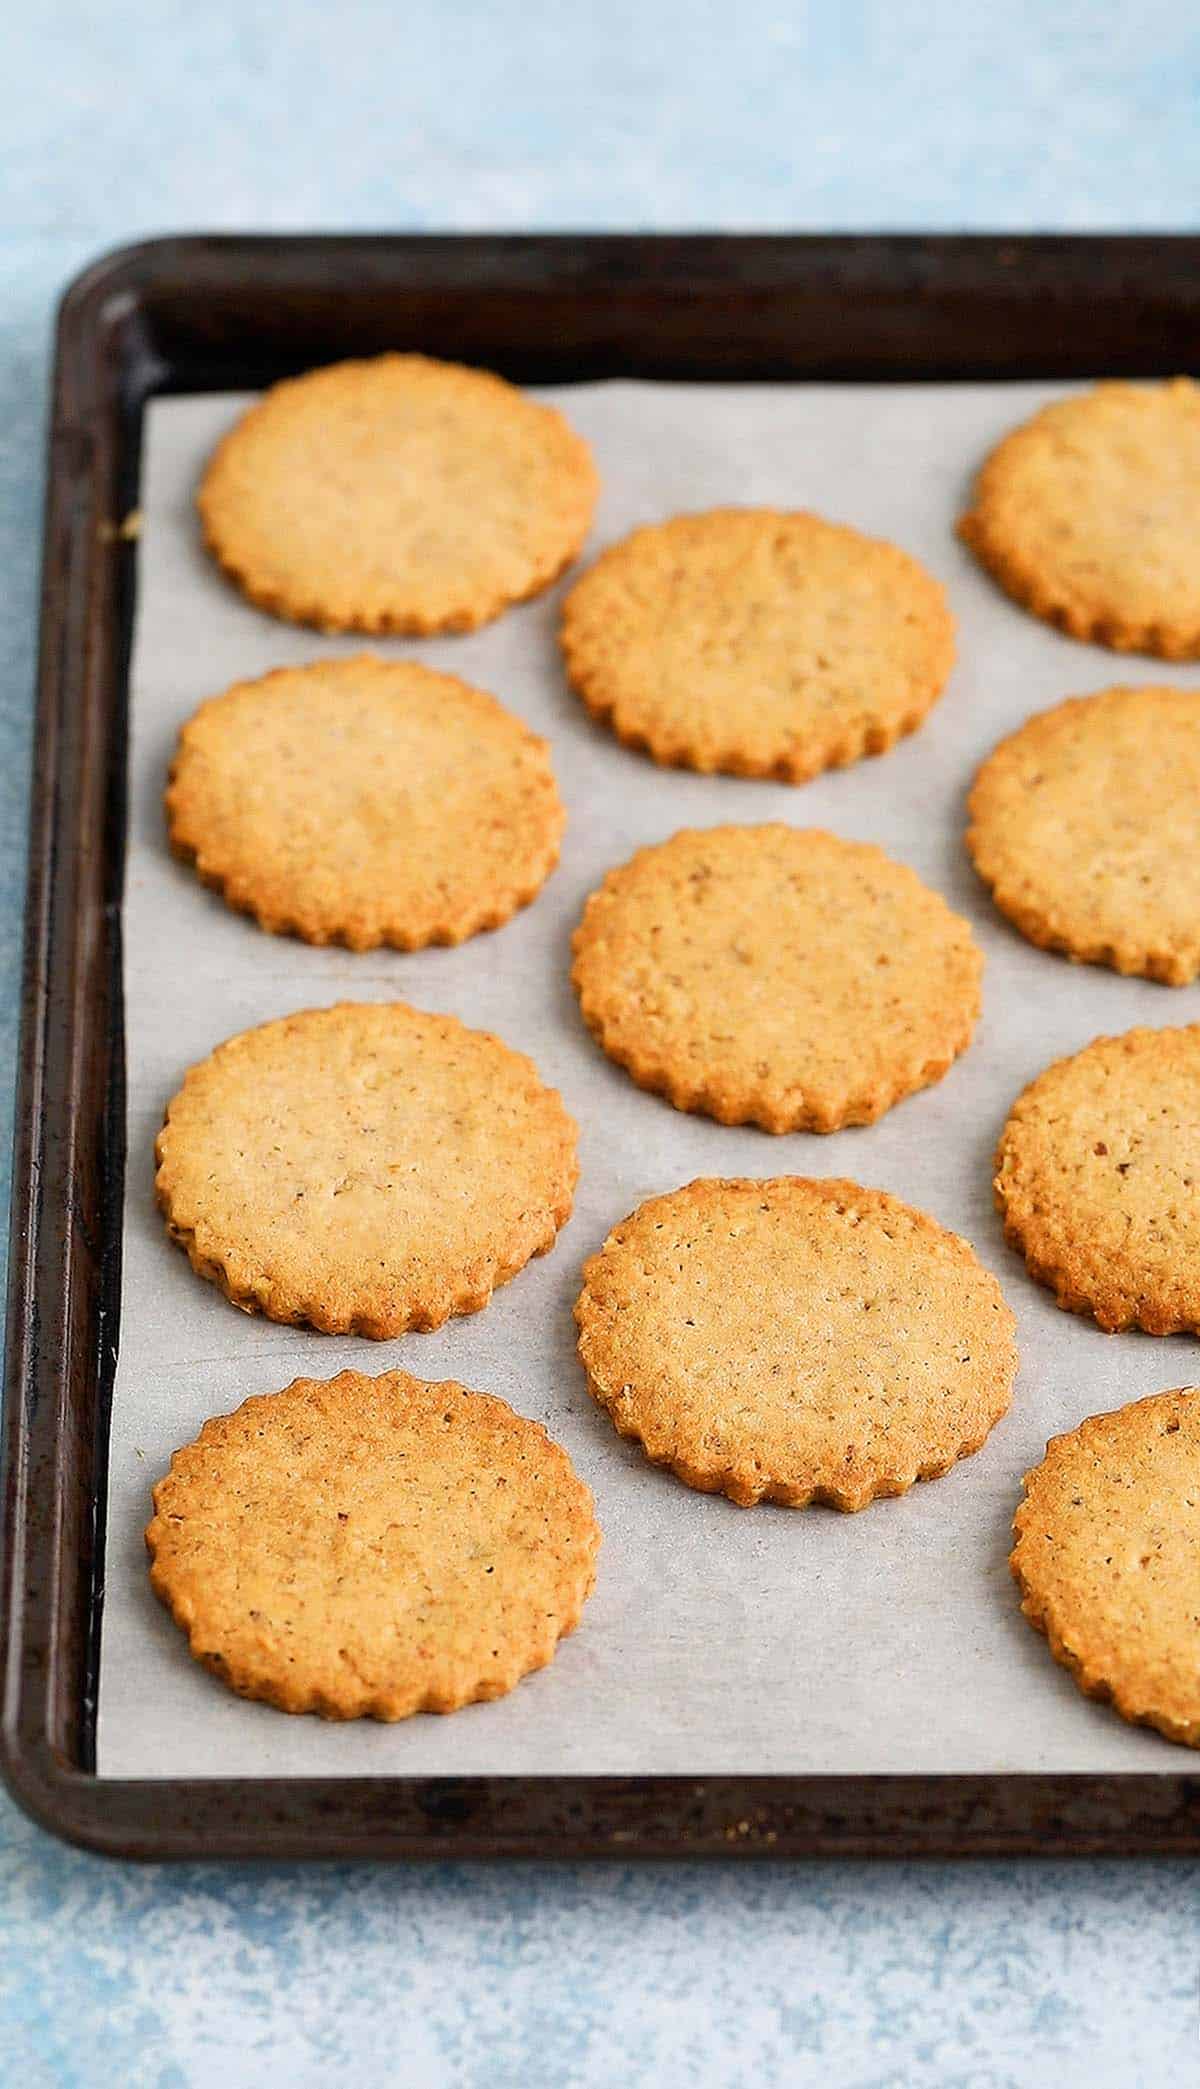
(759, 643)
(364, 1169)
(396, 495)
(1086, 825)
(364, 802)
(372, 1547)
(795, 1341)
(1098, 1178)
(775, 976)
(1089, 515)
(1107, 1559)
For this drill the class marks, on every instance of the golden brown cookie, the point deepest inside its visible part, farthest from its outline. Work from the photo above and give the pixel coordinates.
(1089, 515)
(1098, 1178)
(399, 494)
(795, 1341)
(364, 1169)
(775, 976)
(759, 643)
(1086, 825)
(363, 802)
(367, 1548)
(1107, 1559)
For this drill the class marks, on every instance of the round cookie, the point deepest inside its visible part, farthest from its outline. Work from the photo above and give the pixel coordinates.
(775, 976)
(1089, 515)
(364, 1169)
(372, 1547)
(1086, 825)
(1098, 1179)
(795, 1341)
(363, 802)
(399, 494)
(1107, 1559)
(758, 643)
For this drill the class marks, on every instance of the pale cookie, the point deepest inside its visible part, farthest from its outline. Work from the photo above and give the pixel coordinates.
(366, 1548)
(396, 495)
(364, 802)
(776, 976)
(795, 1341)
(759, 643)
(1107, 1559)
(1089, 515)
(364, 1169)
(1086, 825)
(1098, 1178)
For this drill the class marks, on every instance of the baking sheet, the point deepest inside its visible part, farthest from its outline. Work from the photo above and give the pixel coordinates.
(718, 1639)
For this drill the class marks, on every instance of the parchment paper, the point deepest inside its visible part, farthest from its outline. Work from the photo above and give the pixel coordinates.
(718, 1639)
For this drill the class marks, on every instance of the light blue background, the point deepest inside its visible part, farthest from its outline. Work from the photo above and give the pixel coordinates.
(125, 117)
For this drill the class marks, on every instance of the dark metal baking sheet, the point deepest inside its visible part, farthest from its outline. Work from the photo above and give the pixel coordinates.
(189, 315)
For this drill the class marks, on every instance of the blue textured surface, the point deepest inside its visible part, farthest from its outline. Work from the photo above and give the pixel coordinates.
(136, 118)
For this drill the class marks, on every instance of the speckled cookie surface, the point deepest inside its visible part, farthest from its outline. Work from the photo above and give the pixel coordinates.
(372, 1547)
(795, 1341)
(1107, 1559)
(1089, 515)
(1098, 1178)
(363, 802)
(775, 976)
(364, 1169)
(399, 494)
(1086, 825)
(756, 642)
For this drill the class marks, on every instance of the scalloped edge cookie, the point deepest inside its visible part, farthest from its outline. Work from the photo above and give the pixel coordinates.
(1023, 894)
(998, 530)
(313, 1435)
(274, 884)
(1101, 1651)
(383, 1307)
(615, 589)
(605, 999)
(692, 1443)
(1083, 1278)
(275, 434)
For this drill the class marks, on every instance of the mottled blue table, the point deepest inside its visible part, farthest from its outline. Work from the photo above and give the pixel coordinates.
(135, 118)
